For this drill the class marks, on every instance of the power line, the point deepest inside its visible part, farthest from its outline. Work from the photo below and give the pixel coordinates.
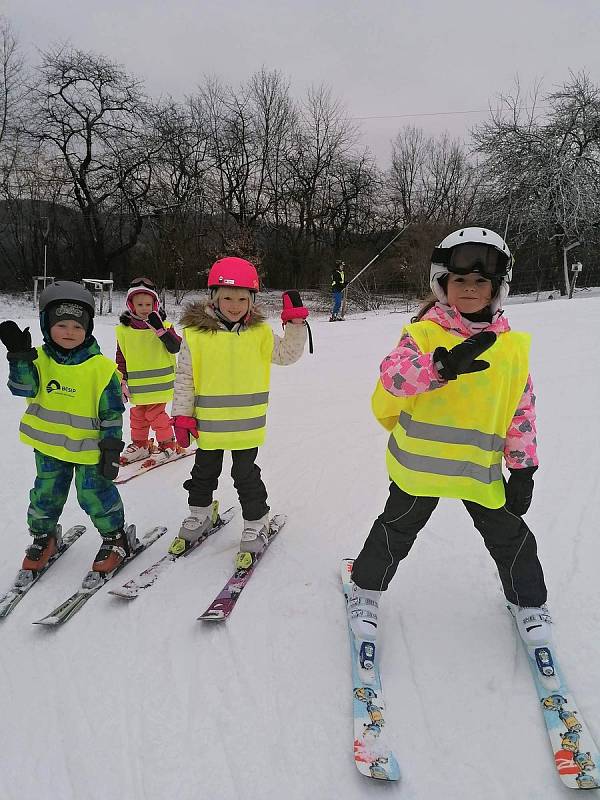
(434, 113)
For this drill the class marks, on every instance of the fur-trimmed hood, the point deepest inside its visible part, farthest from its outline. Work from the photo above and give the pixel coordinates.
(201, 315)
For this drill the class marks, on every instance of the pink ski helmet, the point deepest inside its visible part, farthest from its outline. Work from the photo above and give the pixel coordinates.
(233, 271)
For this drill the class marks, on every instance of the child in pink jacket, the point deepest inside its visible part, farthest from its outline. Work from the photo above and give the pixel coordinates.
(453, 419)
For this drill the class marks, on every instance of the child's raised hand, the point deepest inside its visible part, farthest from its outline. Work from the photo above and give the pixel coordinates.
(462, 359)
(293, 308)
(154, 321)
(17, 342)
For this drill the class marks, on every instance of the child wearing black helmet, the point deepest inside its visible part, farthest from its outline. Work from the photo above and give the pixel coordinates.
(73, 421)
(454, 417)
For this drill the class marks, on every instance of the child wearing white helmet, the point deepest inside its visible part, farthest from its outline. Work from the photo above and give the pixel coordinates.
(222, 392)
(453, 418)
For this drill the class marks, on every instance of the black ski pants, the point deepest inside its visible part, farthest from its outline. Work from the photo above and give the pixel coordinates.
(507, 538)
(246, 479)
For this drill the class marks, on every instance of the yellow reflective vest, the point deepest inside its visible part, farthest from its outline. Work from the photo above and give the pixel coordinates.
(62, 419)
(231, 385)
(150, 367)
(449, 442)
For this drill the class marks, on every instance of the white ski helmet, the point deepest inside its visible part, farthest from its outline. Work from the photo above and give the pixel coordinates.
(473, 250)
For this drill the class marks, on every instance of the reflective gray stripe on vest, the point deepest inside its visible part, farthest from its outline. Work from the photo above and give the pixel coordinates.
(231, 425)
(62, 418)
(150, 373)
(59, 439)
(230, 400)
(447, 435)
(151, 387)
(444, 466)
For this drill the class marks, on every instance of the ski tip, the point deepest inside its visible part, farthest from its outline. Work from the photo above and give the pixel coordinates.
(123, 595)
(213, 616)
(49, 622)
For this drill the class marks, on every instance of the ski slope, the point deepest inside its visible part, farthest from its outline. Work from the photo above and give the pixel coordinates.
(140, 701)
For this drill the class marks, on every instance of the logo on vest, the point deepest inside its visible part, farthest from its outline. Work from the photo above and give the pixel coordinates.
(55, 386)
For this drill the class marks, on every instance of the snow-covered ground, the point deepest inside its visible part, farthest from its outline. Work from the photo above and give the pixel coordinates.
(140, 701)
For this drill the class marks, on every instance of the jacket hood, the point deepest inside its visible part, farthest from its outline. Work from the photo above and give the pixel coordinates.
(201, 315)
(450, 318)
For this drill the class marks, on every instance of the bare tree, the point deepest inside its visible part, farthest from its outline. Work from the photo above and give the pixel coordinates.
(92, 115)
(541, 163)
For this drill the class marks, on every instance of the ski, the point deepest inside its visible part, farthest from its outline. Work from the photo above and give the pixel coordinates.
(576, 755)
(372, 755)
(179, 547)
(94, 581)
(130, 471)
(224, 603)
(27, 578)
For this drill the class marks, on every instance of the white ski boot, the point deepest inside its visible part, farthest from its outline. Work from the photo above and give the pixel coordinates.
(136, 451)
(198, 522)
(255, 535)
(533, 624)
(363, 605)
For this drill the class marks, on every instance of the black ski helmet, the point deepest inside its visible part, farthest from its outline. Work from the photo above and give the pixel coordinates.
(61, 292)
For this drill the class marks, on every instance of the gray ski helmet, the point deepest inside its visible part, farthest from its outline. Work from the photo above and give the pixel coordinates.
(66, 290)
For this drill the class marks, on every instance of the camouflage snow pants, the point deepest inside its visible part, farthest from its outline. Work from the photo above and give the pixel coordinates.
(97, 496)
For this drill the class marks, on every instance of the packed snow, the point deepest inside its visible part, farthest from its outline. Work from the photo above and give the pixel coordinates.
(139, 701)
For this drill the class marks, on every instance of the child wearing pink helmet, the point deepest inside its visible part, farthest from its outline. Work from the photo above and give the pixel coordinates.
(222, 392)
(147, 345)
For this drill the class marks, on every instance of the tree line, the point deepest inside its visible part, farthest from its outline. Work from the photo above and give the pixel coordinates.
(99, 178)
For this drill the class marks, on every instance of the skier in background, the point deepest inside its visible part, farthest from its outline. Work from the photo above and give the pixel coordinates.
(338, 285)
(222, 392)
(452, 418)
(73, 421)
(146, 354)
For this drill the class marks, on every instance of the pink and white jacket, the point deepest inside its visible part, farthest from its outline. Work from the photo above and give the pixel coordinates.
(407, 371)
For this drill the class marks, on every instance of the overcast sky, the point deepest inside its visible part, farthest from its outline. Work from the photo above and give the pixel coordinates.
(397, 61)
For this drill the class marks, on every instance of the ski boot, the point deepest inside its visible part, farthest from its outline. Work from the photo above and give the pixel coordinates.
(42, 549)
(163, 452)
(136, 451)
(115, 548)
(363, 605)
(200, 520)
(533, 624)
(255, 535)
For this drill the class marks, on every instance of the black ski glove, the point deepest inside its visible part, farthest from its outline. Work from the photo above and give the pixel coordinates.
(519, 490)
(110, 449)
(462, 358)
(155, 321)
(17, 342)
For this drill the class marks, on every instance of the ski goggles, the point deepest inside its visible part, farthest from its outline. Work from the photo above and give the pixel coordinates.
(473, 257)
(142, 282)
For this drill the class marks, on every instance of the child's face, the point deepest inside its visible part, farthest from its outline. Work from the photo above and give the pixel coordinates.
(469, 293)
(67, 334)
(234, 304)
(143, 304)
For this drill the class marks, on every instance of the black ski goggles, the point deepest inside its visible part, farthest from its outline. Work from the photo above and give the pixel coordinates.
(142, 282)
(473, 257)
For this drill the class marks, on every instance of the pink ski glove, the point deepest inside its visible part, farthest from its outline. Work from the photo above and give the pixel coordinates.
(185, 428)
(292, 307)
(125, 391)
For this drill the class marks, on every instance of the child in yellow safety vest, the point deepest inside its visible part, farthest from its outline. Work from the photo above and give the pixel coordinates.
(147, 345)
(453, 417)
(73, 420)
(222, 392)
